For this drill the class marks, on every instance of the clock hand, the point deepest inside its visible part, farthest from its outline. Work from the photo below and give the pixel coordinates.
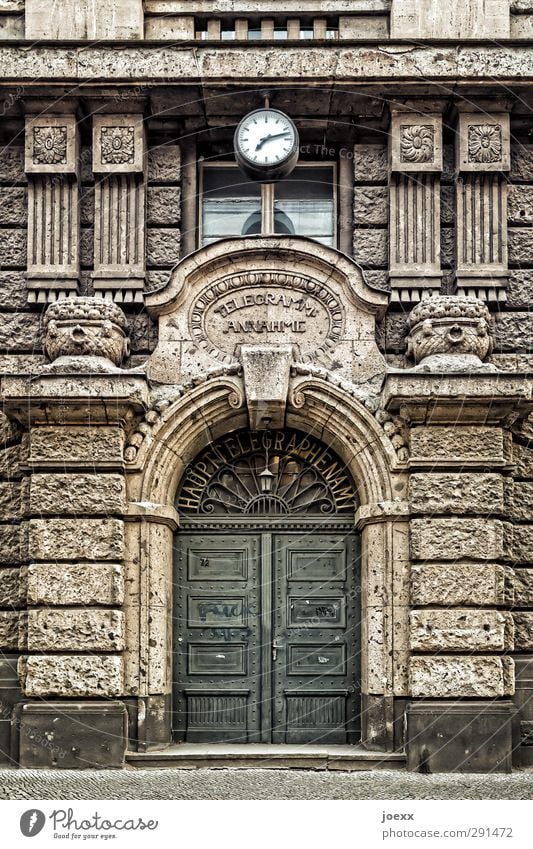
(269, 138)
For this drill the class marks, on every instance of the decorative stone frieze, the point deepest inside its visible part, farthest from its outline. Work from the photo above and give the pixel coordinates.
(86, 327)
(119, 161)
(482, 154)
(415, 163)
(52, 166)
(450, 325)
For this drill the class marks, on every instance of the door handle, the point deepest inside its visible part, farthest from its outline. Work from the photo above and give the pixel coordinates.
(275, 647)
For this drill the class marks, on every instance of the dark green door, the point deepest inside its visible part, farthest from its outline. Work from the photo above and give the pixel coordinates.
(267, 637)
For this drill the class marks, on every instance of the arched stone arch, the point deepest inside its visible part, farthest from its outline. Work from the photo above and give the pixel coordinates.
(333, 415)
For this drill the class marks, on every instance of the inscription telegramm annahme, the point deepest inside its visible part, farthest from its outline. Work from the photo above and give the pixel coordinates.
(258, 307)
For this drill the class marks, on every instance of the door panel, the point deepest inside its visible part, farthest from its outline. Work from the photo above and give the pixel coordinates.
(316, 625)
(267, 645)
(217, 652)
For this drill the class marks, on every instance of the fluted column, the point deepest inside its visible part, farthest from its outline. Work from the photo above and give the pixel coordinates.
(415, 166)
(52, 164)
(482, 155)
(119, 232)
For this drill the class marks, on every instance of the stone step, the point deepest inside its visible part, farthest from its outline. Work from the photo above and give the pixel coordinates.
(266, 756)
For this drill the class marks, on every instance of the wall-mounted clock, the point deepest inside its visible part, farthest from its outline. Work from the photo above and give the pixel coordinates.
(266, 145)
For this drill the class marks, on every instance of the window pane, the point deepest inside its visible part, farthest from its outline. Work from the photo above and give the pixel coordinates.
(305, 204)
(231, 204)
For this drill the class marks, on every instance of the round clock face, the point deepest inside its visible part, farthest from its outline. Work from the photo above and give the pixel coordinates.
(266, 139)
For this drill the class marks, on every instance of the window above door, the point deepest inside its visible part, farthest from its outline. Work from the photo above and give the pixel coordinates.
(303, 204)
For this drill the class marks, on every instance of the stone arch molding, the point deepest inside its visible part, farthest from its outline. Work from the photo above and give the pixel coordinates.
(275, 292)
(329, 413)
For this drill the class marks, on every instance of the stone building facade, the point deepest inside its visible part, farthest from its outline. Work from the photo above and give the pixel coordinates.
(266, 463)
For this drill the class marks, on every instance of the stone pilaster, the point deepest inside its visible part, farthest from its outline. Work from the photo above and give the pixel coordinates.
(119, 156)
(72, 634)
(415, 166)
(462, 630)
(482, 156)
(52, 166)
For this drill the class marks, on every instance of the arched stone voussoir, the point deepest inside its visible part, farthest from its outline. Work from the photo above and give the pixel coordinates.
(344, 423)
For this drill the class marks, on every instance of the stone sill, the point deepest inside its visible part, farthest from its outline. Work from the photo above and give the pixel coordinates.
(385, 62)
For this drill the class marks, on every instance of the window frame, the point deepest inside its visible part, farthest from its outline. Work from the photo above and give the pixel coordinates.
(203, 166)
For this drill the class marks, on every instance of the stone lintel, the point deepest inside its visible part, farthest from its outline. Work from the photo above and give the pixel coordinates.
(446, 399)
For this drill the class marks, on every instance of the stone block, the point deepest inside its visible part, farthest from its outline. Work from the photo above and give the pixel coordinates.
(458, 445)
(13, 291)
(460, 630)
(523, 458)
(13, 544)
(393, 332)
(371, 163)
(461, 737)
(371, 205)
(156, 279)
(163, 205)
(19, 331)
(520, 542)
(87, 19)
(370, 248)
(522, 584)
(451, 539)
(520, 204)
(520, 291)
(456, 676)
(12, 164)
(87, 206)
(77, 494)
(447, 204)
(73, 584)
(10, 463)
(520, 245)
(76, 539)
(71, 675)
(513, 332)
(456, 493)
(522, 162)
(420, 19)
(90, 446)
(70, 735)
(164, 164)
(169, 27)
(519, 501)
(9, 630)
(142, 331)
(10, 431)
(13, 248)
(87, 247)
(163, 247)
(14, 207)
(458, 584)
(71, 629)
(11, 506)
(523, 624)
(12, 588)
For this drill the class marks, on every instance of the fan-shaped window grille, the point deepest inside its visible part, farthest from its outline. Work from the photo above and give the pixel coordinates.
(268, 473)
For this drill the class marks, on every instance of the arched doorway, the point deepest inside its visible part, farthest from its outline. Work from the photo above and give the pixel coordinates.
(266, 594)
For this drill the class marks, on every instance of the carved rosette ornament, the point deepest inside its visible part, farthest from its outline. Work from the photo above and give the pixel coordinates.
(449, 325)
(87, 327)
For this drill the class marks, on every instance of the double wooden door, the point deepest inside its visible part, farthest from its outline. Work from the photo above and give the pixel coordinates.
(267, 637)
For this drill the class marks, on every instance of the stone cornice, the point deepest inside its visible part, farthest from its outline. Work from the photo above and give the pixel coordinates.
(397, 62)
(482, 397)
